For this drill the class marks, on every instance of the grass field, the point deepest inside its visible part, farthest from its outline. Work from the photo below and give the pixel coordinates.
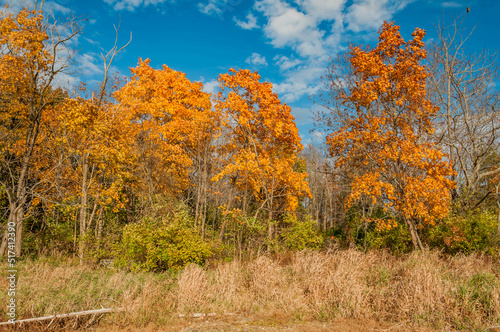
(304, 290)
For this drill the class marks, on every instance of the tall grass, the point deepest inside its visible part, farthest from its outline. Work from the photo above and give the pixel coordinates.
(419, 289)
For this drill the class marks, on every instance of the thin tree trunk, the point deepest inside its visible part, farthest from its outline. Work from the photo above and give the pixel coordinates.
(270, 214)
(497, 197)
(224, 220)
(16, 216)
(83, 208)
(415, 238)
(99, 229)
(92, 215)
(19, 229)
(498, 219)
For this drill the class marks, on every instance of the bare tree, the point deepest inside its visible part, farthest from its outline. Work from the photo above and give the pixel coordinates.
(468, 124)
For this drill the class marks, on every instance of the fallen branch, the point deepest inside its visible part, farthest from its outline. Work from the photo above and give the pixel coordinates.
(199, 315)
(73, 314)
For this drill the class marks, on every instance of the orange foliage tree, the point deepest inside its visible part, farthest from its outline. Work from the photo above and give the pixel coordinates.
(384, 140)
(261, 143)
(171, 118)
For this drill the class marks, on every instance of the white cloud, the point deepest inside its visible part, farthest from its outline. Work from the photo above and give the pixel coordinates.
(365, 15)
(86, 65)
(323, 9)
(249, 24)
(65, 81)
(131, 5)
(318, 134)
(451, 4)
(210, 8)
(217, 7)
(91, 41)
(211, 86)
(300, 82)
(317, 139)
(288, 27)
(256, 60)
(51, 6)
(285, 63)
(89, 64)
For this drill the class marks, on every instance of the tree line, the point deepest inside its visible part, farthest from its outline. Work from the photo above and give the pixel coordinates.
(157, 172)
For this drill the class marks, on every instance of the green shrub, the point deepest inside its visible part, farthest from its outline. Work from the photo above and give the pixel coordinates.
(476, 231)
(161, 244)
(299, 235)
(396, 239)
(55, 238)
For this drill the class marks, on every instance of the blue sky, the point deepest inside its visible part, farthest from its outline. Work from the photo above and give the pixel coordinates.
(289, 42)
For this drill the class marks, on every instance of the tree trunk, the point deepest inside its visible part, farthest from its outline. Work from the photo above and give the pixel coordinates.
(498, 219)
(99, 229)
(270, 213)
(224, 222)
(270, 230)
(497, 196)
(415, 238)
(83, 208)
(16, 217)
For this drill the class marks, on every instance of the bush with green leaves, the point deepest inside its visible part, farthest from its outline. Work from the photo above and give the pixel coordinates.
(299, 235)
(475, 231)
(159, 244)
(396, 239)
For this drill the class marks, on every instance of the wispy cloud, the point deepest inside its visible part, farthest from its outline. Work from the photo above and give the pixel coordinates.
(218, 7)
(131, 5)
(210, 8)
(211, 86)
(451, 4)
(89, 64)
(285, 63)
(50, 6)
(250, 23)
(365, 15)
(300, 81)
(256, 60)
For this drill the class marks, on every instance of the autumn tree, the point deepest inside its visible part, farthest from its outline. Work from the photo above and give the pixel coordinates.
(97, 160)
(29, 63)
(172, 123)
(384, 129)
(261, 144)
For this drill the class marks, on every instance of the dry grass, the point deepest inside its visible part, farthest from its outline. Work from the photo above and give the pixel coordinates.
(420, 289)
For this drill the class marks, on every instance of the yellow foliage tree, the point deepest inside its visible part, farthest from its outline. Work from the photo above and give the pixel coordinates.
(29, 48)
(261, 142)
(385, 140)
(96, 158)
